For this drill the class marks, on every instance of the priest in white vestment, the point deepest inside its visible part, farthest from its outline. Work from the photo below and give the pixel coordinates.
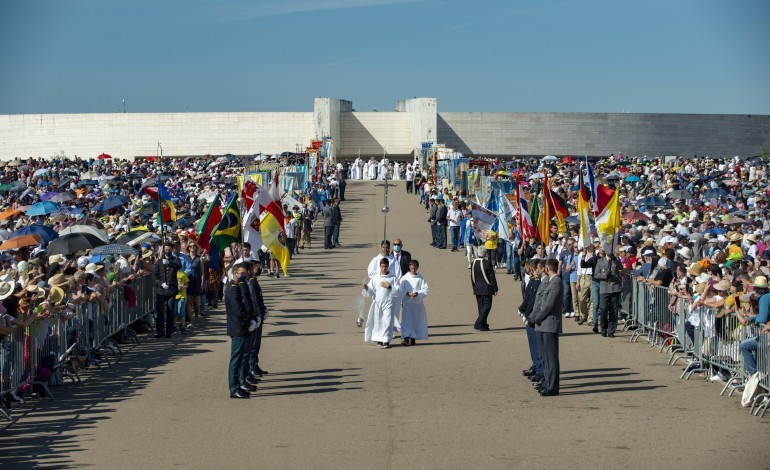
(414, 317)
(385, 293)
(383, 169)
(396, 171)
(372, 173)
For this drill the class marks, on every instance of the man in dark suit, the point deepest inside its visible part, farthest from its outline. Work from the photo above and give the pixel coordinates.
(441, 223)
(166, 289)
(546, 316)
(401, 258)
(432, 220)
(237, 304)
(533, 268)
(484, 286)
(328, 214)
(337, 219)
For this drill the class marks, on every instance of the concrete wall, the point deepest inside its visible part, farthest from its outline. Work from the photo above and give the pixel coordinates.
(129, 135)
(423, 115)
(373, 133)
(326, 117)
(604, 133)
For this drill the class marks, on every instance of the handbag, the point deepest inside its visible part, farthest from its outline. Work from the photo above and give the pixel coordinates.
(751, 390)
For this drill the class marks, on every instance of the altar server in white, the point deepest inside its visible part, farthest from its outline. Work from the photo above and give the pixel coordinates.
(414, 318)
(385, 294)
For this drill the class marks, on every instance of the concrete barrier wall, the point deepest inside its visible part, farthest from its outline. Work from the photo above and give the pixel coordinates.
(604, 133)
(373, 132)
(138, 134)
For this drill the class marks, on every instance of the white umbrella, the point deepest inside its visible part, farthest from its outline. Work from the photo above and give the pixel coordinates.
(148, 237)
(549, 158)
(536, 176)
(4, 234)
(100, 234)
(39, 172)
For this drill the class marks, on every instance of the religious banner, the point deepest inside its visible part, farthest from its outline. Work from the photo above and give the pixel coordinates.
(483, 220)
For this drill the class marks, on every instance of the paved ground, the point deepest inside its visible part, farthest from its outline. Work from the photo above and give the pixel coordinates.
(330, 401)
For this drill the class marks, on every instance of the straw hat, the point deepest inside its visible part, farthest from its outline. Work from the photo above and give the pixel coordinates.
(59, 280)
(55, 295)
(751, 237)
(736, 237)
(668, 228)
(701, 287)
(6, 289)
(695, 269)
(723, 286)
(59, 259)
(685, 253)
(91, 268)
(760, 282)
(702, 277)
(35, 289)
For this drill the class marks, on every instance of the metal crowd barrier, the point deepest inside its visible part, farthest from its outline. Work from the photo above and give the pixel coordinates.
(54, 344)
(714, 346)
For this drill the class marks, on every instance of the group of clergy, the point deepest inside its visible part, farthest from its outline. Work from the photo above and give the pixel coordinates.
(371, 170)
(394, 286)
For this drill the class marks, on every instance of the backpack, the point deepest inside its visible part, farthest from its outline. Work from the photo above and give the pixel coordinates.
(602, 271)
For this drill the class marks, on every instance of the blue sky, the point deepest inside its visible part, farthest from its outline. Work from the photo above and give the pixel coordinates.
(679, 56)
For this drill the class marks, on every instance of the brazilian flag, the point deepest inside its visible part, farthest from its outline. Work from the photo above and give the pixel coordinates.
(228, 231)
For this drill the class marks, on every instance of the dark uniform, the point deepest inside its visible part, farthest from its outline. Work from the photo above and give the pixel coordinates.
(165, 298)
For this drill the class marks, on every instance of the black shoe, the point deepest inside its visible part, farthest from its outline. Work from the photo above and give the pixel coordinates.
(255, 376)
(537, 378)
(411, 341)
(604, 333)
(529, 372)
(251, 380)
(581, 321)
(240, 394)
(182, 330)
(611, 335)
(549, 393)
(595, 329)
(261, 371)
(248, 388)
(484, 328)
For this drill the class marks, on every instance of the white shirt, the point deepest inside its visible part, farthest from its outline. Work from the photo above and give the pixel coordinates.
(455, 217)
(584, 271)
(374, 266)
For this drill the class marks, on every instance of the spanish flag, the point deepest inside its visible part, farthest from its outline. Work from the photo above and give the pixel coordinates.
(228, 231)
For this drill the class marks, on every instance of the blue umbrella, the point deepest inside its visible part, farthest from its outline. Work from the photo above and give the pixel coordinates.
(715, 193)
(653, 201)
(715, 231)
(43, 208)
(43, 231)
(111, 203)
(632, 179)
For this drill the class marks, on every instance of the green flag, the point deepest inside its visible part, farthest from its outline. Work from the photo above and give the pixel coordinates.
(228, 231)
(534, 210)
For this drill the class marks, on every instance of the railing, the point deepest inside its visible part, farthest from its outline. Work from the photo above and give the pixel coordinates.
(52, 350)
(709, 340)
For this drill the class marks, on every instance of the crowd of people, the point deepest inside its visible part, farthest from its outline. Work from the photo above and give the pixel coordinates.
(66, 226)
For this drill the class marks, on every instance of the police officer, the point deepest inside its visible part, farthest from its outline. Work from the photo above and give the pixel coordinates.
(166, 289)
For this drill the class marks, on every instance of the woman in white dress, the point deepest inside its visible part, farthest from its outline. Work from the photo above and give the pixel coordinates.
(385, 294)
(414, 318)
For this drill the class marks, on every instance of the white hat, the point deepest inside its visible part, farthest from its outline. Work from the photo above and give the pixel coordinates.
(685, 253)
(83, 261)
(6, 289)
(668, 228)
(91, 268)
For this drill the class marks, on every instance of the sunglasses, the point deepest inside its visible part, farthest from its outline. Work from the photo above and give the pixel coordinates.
(397, 244)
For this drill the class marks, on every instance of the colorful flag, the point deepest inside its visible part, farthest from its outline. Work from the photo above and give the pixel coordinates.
(557, 206)
(228, 231)
(583, 208)
(249, 190)
(546, 214)
(167, 211)
(273, 236)
(525, 222)
(206, 225)
(252, 233)
(591, 186)
(534, 215)
(276, 197)
(608, 222)
(505, 214)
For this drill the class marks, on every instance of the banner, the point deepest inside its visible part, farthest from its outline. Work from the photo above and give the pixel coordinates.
(483, 220)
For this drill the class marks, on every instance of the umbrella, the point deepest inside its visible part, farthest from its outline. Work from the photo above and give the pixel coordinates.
(15, 163)
(573, 219)
(549, 158)
(68, 244)
(111, 203)
(536, 176)
(103, 156)
(43, 231)
(128, 237)
(89, 175)
(98, 233)
(734, 221)
(88, 183)
(632, 179)
(568, 160)
(146, 237)
(653, 201)
(9, 213)
(64, 182)
(43, 208)
(732, 183)
(91, 222)
(25, 167)
(716, 231)
(115, 249)
(635, 215)
(6, 187)
(679, 194)
(613, 176)
(18, 242)
(62, 197)
(715, 193)
(39, 172)
(47, 196)
(4, 234)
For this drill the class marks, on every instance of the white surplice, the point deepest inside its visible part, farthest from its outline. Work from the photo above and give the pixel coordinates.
(381, 321)
(414, 317)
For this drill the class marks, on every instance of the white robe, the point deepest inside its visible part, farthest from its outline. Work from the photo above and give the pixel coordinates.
(380, 324)
(374, 266)
(372, 173)
(396, 171)
(383, 169)
(414, 317)
(360, 166)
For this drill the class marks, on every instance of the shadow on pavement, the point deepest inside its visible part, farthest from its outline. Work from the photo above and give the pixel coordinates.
(611, 390)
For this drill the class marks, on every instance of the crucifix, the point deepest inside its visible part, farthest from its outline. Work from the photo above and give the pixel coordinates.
(385, 209)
